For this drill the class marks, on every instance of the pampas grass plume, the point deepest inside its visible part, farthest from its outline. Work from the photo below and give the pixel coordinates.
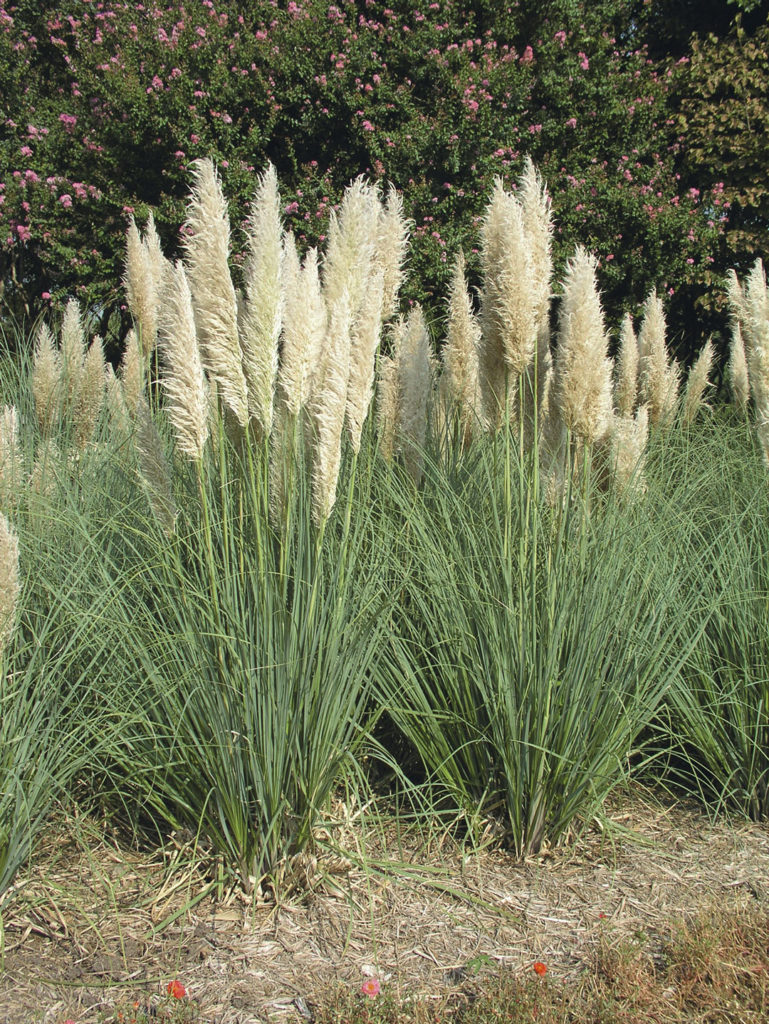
(327, 408)
(509, 301)
(626, 383)
(696, 385)
(363, 351)
(117, 410)
(460, 386)
(46, 380)
(739, 381)
(9, 580)
(90, 396)
(140, 280)
(154, 471)
(583, 371)
(659, 378)
(11, 464)
(184, 381)
(72, 352)
(628, 444)
(132, 372)
(207, 250)
(393, 243)
(304, 327)
(263, 309)
(415, 381)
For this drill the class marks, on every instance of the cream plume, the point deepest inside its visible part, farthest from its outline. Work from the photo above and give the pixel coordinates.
(154, 471)
(132, 372)
(90, 397)
(582, 388)
(392, 248)
(626, 383)
(141, 285)
(11, 464)
(9, 581)
(697, 384)
(184, 381)
(207, 250)
(509, 301)
(628, 445)
(72, 352)
(263, 311)
(738, 370)
(460, 386)
(304, 327)
(327, 408)
(363, 351)
(658, 377)
(46, 380)
(415, 382)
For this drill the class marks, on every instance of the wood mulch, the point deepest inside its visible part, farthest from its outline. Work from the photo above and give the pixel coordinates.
(93, 924)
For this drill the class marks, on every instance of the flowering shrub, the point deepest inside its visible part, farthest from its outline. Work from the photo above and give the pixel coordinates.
(437, 98)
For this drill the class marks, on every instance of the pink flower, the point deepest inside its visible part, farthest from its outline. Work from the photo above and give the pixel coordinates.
(571, 123)
(23, 232)
(26, 151)
(368, 126)
(370, 988)
(292, 207)
(47, 295)
(66, 201)
(527, 57)
(584, 62)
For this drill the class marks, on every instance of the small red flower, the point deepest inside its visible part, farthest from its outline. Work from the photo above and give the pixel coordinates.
(176, 989)
(370, 988)
(540, 968)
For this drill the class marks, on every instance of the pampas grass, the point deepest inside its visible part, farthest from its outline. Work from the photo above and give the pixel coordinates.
(658, 376)
(304, 327)
(415, 382)
(131, 373)
(582, 384)
(184, 381)
(327, 408)
(392, 247)
(11, 461)
(142, 281)
(697, 384)
(9, 581)
(90, 397)
(46, 380)
(207, 250)
(261, 319)
(626, 382)
(154, 470)
(509, 302)
(737, 370)
(629, 435)
(459, 382)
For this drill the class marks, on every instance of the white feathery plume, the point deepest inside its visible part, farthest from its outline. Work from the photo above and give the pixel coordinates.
(117, 409)
(363, 350)
(9, 581)
(628, 445)
(658, 377)
(90, 397)
(327, 408)
(141, 286)
(509, 301)
(388, 399)
(11, 464)
(626, 382)
(263, 311)
(415, 382)
(132, 372)
(154, 471)
(393, 244)
(739, 381)
(184, 380)
(304, 327)
(696, 385)
(72, 352)
(207, 250)
(460, 386)
(582, 383)
(46, 380)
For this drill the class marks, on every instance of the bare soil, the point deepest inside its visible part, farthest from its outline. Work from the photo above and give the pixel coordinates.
(93, 924)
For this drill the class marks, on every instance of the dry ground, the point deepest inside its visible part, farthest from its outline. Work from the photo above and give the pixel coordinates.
(83, 927)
